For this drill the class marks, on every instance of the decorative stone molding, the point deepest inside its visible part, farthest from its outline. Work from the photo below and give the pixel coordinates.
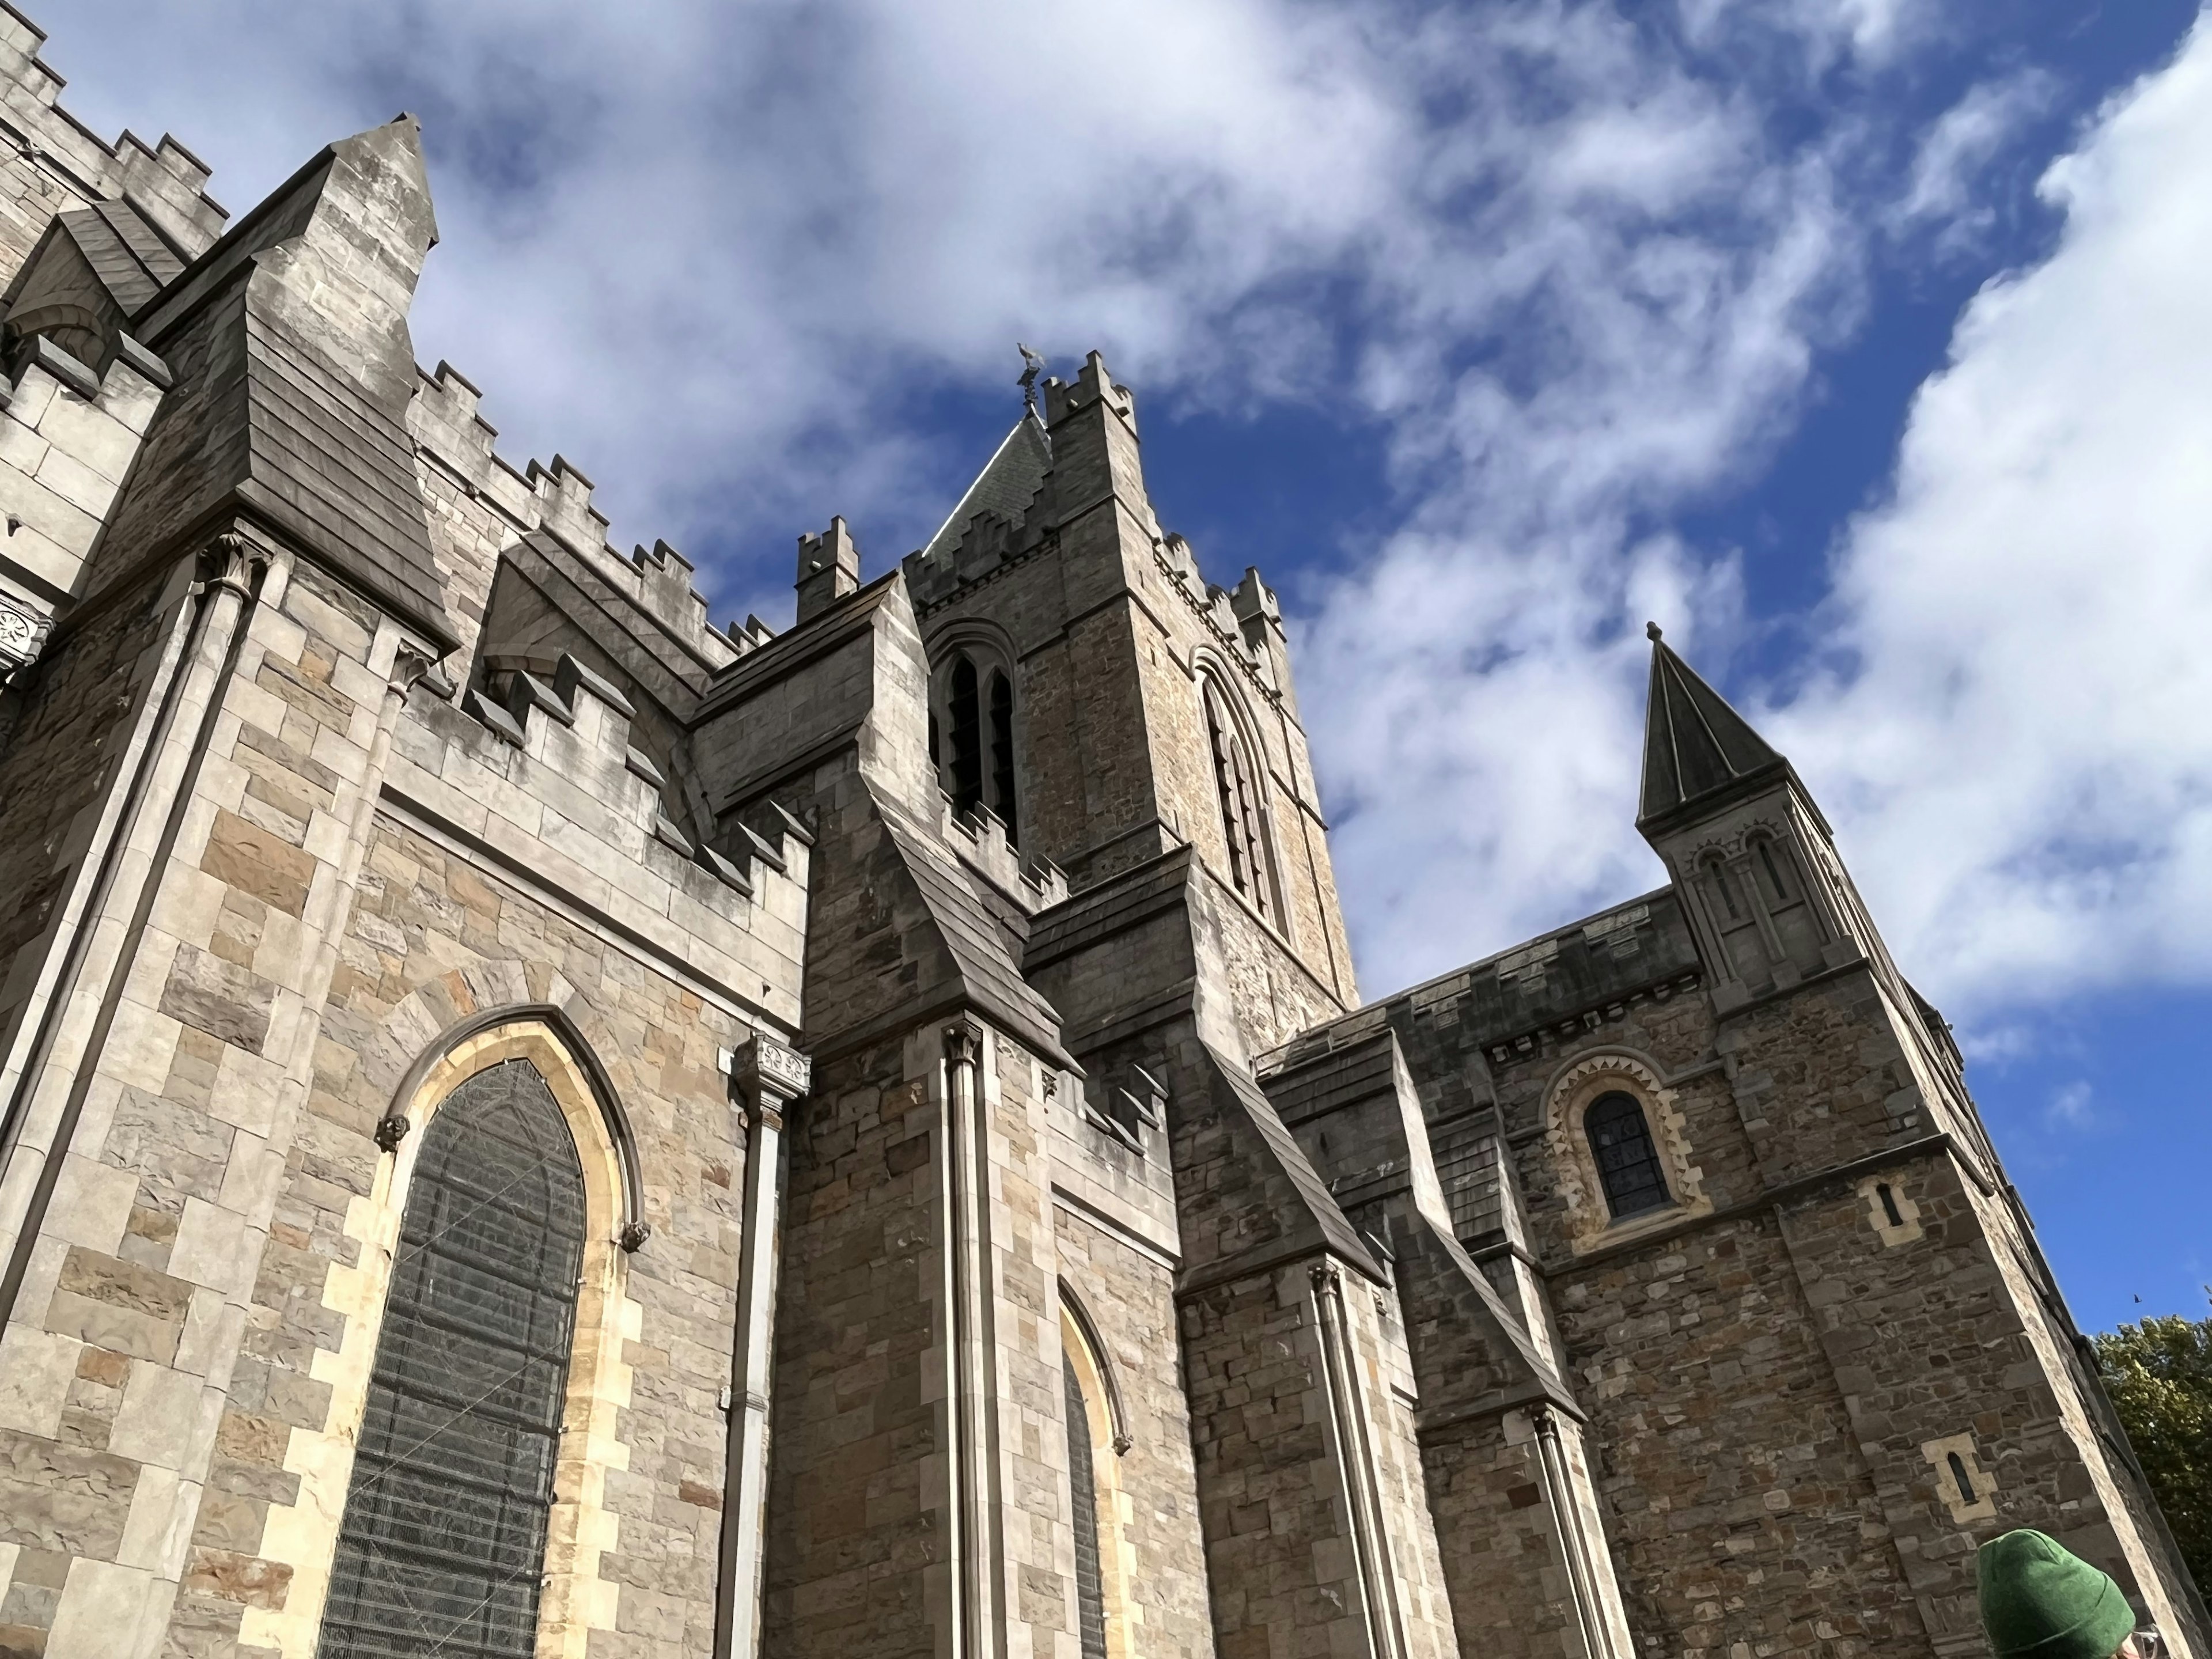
(1589, 1223)
(22, 635)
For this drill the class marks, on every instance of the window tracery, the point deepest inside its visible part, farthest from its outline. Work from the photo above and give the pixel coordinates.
(1628, 1164)
(972, 717)
(1237, 781)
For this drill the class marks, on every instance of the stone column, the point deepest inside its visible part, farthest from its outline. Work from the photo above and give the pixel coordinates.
(974, 1464)
(766, 1078)
(1598, 1613)
(1356, 1459)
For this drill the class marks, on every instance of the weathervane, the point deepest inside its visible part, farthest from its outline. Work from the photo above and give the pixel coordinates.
(1032, 365)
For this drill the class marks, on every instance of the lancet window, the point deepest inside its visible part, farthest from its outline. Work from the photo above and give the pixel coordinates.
(1627, 1161)
(442, 1545)
(971, 737)
(1237, 781)
(1082, 1491)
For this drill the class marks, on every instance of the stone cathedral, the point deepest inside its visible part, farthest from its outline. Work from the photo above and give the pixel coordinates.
(537, 1125)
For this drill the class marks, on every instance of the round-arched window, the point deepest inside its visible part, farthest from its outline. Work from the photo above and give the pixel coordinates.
(1627, 1161)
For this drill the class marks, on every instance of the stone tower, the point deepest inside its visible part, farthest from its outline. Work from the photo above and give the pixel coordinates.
(533, 1124)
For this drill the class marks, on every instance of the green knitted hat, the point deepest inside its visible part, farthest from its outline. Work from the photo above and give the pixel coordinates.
(2040, 1601)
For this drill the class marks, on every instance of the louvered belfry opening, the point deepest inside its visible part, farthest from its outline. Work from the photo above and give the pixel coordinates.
(1002, 755)
(443, 1543)
(967, 738)
(1083, 1489)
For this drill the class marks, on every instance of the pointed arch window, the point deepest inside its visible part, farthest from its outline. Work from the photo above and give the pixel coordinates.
(967, 738)
(1627, 1162)
(1083, 1492)
(972, 734)
(1243, 811)
(442, 1545)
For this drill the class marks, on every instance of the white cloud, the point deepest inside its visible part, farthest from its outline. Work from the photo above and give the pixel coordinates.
(2072, 1106)
(1971, 134)
(1569, 259)
(2020, 753)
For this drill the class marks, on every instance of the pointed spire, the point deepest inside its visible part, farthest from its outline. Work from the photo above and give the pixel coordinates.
(1006, 486)
(1695, 746)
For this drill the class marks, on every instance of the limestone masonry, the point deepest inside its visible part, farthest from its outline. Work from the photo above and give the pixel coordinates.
(534, 1124)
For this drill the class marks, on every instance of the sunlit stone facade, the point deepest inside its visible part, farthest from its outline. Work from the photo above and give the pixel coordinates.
(537, 1125)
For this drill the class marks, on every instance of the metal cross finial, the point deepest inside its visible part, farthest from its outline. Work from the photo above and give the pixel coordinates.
(1032, 365)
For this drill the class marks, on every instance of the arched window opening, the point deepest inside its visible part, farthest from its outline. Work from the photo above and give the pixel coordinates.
(973, 743)
(1237, 781)
(1726, 887)
(1775, 885)
(967, 738)
(1959, 1474)
(1889, 1204)
(1627, 1162)
(1083, 1492)
(442, 1545)
(1002, 753)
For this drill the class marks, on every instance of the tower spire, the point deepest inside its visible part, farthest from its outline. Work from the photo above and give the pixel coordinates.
(1696, 748)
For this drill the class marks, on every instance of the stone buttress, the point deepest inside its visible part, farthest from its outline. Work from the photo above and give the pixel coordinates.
(998, 1230)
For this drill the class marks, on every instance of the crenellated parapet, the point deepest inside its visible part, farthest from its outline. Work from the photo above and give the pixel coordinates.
(454, 442)
(979, 837)
(61, 163)
(546, 782)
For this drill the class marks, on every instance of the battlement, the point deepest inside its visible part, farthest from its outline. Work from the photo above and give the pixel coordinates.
(545, 776)
(1093, 385)
(452, 435)
(165, 181)
(979, 837)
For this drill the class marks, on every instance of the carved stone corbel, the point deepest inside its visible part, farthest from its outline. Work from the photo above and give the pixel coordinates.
(23, 636)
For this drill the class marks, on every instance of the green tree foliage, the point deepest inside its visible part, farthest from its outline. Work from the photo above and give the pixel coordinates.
(2159, 1374)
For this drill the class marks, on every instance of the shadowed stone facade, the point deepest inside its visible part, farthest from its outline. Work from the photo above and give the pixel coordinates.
(1005, 1231)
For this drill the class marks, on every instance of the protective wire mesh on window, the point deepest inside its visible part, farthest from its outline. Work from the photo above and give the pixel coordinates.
(443, 1541)
(1238, 783)
(1083, 1489)
(1627, 1162)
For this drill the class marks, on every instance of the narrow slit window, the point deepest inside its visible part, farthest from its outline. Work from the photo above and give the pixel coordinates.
(1773, 873)
(1002, 754)
(1627, 1162)
(1889, 1204)
(1727, 889)
(1082, 1494)
(1959, 1473)
(967, 738)
(442, 1545)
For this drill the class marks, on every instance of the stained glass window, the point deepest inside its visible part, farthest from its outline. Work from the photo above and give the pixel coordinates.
(1627, 1162)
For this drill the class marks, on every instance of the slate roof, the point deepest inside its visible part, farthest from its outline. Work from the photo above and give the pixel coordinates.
(127, 253)
(1005, 486)
(1695, 746)
(979, 948)
(263, 419)
(1327, 1222)
(343, 466)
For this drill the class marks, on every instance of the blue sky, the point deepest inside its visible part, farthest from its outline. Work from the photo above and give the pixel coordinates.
(1865, 343)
